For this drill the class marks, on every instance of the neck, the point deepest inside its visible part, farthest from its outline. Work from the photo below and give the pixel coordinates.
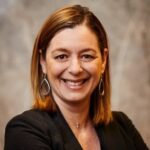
(77, 117)
(75, 113)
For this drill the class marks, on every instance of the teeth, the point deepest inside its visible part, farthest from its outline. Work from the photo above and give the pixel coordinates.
(73, 83)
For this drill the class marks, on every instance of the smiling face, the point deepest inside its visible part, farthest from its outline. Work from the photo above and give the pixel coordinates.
(73, 64)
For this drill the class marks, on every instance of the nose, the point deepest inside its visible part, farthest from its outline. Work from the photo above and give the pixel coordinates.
(75, 67)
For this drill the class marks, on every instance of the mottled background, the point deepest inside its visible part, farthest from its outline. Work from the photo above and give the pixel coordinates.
(127, 23)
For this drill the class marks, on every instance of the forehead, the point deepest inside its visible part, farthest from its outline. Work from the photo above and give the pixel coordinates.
(79, 37)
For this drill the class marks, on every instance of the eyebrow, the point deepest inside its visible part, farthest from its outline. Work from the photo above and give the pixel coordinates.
(89, 49)
(60, 50)
(66, 50)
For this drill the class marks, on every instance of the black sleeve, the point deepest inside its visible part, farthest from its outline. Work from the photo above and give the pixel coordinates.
(27, 132)
(132, 132)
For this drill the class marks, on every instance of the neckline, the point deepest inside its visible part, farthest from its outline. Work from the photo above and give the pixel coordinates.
(70, 141)
(70, 138)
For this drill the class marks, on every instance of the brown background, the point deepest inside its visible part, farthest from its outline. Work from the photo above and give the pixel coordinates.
(127, 23)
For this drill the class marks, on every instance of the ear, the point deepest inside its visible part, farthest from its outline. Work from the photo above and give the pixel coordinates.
(43, 64)
(104, 60)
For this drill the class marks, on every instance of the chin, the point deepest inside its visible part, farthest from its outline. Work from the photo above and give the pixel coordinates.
(77, 98)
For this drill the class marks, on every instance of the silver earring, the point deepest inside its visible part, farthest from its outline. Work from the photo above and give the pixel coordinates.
(45, 86)
(101, 86)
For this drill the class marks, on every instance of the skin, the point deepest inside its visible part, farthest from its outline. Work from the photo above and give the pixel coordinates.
(74, 66)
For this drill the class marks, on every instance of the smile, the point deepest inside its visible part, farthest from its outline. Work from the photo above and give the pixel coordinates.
(72, 84)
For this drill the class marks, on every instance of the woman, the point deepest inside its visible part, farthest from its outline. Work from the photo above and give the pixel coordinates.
(71, 86)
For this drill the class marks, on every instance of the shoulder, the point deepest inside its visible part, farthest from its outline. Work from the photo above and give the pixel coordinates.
(31, 126)
(32, 118)
(125, 125)
(121, 119)
(119, 114)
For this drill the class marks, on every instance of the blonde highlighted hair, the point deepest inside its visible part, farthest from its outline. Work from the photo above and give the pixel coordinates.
(69, 17)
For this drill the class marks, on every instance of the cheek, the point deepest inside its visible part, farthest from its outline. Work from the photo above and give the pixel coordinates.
(94, 69)
(54, 69)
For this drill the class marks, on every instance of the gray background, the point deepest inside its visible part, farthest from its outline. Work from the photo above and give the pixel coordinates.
(127, 23)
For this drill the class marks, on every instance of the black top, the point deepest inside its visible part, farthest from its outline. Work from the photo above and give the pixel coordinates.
(41, 130)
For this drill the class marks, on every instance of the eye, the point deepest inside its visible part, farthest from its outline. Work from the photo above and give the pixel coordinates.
(87, 57)
(61, 57)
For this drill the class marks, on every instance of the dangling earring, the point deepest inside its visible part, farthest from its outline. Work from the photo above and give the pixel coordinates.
(101, 86)
(45, 86)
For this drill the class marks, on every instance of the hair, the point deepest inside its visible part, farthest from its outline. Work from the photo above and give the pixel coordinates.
(69, 17)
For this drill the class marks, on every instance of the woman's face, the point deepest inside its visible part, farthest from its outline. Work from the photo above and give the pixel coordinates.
(73, 64)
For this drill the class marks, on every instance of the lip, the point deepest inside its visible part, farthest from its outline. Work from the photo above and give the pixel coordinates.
(74, 84)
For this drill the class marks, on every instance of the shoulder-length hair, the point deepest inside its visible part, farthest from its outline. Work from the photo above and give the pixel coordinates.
(69, 17)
